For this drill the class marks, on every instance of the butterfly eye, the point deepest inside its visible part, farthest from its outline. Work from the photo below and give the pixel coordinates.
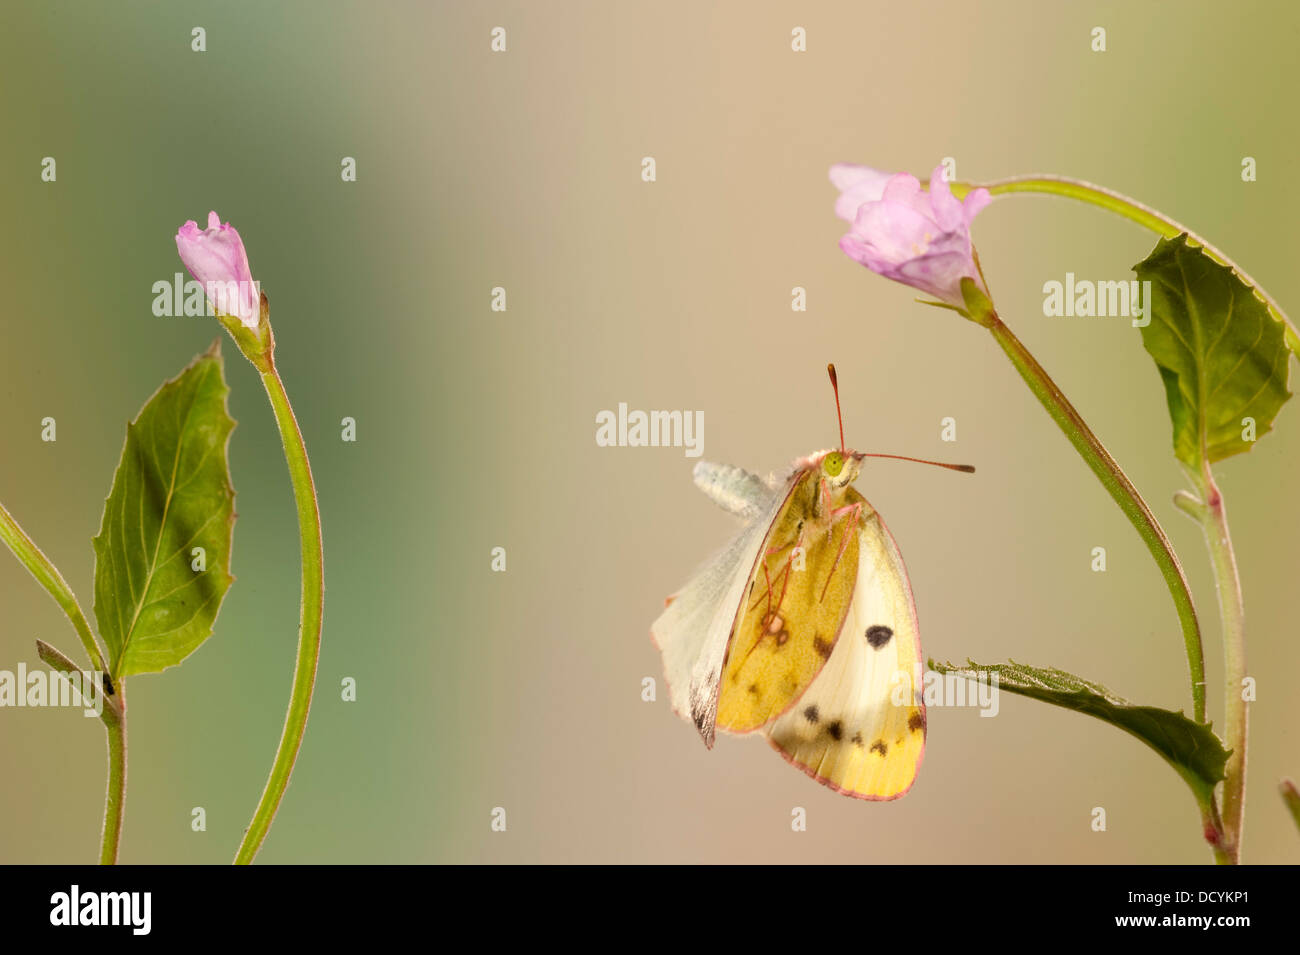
(833, 464)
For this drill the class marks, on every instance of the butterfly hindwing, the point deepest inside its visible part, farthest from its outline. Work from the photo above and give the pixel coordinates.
(860, 726)
(796, 604)
(733, 489)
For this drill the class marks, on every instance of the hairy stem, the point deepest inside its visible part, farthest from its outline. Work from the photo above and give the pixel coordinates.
(1121, 490)
(1218, 540)
(112, 710)
(310, 615)
(115, 794)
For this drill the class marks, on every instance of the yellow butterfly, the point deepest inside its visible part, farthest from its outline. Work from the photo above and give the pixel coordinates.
(803, 627)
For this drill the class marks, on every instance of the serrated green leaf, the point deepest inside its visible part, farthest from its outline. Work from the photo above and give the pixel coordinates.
(1191, 748)
(1221, 352)
(171, 494)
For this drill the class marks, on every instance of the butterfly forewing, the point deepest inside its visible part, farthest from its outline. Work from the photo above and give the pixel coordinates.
(797, 601)
(695, 629)
(860, 727)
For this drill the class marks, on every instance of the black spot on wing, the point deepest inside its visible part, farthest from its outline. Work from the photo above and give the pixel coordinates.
(878, 635)
(810, 714)
(879, 747)
(823, 648)
(916, 721)
(835, 729)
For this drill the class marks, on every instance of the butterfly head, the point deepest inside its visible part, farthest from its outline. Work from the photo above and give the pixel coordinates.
(840, 468)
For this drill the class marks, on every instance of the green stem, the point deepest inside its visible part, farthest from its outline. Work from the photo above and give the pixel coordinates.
(1211, 513)
(115, 794)
(1214, 524)
(48, 576)
(113, 713)
(1134, 211)
(310, 615)
(1121, 491)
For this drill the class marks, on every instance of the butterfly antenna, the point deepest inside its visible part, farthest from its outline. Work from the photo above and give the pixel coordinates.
(835, 386)
(964, 468)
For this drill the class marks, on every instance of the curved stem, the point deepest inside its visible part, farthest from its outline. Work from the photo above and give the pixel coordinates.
(1209, 511)
(1134, 211)
(310, 615)
(48, 576)
(1121, 490)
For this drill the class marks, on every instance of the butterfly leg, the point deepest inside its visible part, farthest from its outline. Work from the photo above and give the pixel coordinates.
(767, 593)
(767, 578)
(772, 622)
(785, 585)
(850, 509)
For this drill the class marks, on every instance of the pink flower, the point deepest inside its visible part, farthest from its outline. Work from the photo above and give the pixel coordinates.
(215, 256)
(921, 239)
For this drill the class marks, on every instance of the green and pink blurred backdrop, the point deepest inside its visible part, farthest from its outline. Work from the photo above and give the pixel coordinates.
(476, 428)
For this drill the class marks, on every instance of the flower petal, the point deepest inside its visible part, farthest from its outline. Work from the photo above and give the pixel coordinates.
(975, 202)
(216, 257)
(947, 211)
(857, 184)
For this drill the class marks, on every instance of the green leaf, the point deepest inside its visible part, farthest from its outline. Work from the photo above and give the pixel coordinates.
(171, 494)
(1221, 352)
(1191, 748)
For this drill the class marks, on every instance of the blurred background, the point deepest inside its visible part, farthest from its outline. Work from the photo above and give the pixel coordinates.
(475, 428)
